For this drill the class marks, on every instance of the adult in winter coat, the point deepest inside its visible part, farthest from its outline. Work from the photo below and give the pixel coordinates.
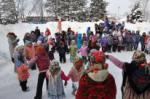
(12, 41)
(110, 42)
(43, 64)
(107, 24)
(97, 82)
(70, 36)
(37, 33)
(88, 32)
(144, 38)
(136, 76)
(97, 29)
(22, 69)
(104, 42)
(137, 40)
(115, 42)
(129, 41)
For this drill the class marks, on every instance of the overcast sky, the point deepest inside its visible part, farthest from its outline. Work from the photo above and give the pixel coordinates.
(118, 7)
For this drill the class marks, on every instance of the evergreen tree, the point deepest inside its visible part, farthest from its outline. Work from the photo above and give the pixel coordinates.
(77, 9)
(56, 7)
(136, 14)
(8, 12)
(98, 8)
(65, 8)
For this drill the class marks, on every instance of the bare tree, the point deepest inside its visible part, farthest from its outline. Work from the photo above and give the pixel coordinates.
(20, 5)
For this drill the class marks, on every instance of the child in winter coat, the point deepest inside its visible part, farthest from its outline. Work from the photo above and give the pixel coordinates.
(73, 50)
(12, 41)
(47, 32)
(29, 51)
(62, 50)
(22, 69)
(136, 76)
(84, 52)
(55, 86)
(51, 45)
(97, 82)
(75, 73)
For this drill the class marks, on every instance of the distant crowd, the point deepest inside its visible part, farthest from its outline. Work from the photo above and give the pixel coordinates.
(91, 82)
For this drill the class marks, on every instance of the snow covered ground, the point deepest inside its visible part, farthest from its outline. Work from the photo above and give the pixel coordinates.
(9, 85)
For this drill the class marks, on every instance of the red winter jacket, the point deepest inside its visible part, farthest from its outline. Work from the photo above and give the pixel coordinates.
(43, 62)
(90, 89)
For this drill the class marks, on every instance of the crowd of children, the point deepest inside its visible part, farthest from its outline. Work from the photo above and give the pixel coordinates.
(91, 82)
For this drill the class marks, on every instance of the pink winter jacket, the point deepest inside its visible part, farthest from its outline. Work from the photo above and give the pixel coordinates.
(75, 75)
(83, 50)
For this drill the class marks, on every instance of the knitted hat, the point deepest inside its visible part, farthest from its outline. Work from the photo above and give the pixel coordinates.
(98, 57)
(11, 34)
(98, 70)
(139, 56)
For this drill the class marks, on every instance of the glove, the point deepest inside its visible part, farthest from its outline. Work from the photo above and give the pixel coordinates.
(65, 84)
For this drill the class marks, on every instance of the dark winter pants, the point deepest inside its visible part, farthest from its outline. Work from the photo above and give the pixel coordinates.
(23, 85)
(62, 58)
(41, 78)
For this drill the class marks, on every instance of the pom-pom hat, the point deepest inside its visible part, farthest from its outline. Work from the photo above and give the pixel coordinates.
(98, 57)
